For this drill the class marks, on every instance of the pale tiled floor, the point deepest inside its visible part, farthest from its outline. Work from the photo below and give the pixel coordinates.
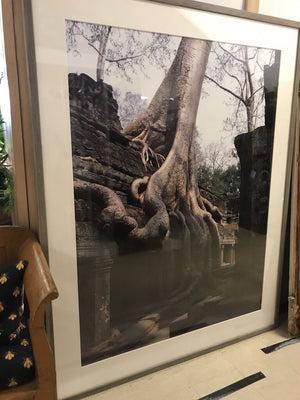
(203, 375)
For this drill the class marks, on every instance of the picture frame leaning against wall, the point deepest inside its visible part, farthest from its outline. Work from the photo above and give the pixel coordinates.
(162, 244)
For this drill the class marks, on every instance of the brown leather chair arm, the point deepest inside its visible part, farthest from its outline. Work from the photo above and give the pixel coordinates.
(39, 285)
(40, 289)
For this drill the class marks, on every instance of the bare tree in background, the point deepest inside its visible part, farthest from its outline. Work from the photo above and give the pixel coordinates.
(239, 71)
(131, 106)
(119, 56)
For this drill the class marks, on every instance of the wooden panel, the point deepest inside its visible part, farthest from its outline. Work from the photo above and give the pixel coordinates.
(293, 318)
(3, 255)
(25, 108)
(252, 6)
(21, 216)
(20, 88)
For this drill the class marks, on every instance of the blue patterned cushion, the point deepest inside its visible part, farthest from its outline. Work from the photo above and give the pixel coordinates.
(16, 357)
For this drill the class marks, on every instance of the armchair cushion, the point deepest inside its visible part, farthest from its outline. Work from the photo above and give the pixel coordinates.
(16, 360)
(16, 356)
(11, 301)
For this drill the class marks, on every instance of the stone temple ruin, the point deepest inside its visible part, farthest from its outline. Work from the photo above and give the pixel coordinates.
(255, 153)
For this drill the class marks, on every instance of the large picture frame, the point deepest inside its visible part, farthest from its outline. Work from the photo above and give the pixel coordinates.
(74, 375)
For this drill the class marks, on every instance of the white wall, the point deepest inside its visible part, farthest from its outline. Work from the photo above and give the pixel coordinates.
(289, 9)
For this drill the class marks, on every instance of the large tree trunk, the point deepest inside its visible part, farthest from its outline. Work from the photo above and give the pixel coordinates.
(170, 197)
(178, 93)
(173, 188)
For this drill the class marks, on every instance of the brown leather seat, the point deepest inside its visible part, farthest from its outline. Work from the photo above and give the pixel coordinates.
(16, 244)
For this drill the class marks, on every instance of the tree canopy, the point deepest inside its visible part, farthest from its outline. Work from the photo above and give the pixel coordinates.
(124, 56)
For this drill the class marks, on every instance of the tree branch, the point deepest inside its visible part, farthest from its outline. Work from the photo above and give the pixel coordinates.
(95, 48)
(223, 63)
(249, 75)
(226, 90)
(237, 110)
(231, 55)
(257, 90)
(233, 77)
(118, 60)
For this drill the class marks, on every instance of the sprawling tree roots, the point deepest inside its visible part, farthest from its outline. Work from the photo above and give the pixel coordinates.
(172, 211)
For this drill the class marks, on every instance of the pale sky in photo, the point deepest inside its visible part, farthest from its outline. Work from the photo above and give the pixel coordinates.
(213, 107)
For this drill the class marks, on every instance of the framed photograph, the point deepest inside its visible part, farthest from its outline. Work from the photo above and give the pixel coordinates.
(166, 147)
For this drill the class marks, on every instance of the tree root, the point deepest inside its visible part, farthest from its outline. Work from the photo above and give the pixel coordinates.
(113, 218)
(138, 188)
(148, 155)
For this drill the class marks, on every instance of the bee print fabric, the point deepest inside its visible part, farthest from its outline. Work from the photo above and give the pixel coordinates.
(16, 358)
(11, 300)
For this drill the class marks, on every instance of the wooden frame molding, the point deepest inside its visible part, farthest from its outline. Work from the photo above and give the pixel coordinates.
(294, 277)
(252, 6)
(21, 208)
(26, 144)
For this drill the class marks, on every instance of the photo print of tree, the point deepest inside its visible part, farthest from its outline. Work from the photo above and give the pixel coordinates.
(172, 141)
